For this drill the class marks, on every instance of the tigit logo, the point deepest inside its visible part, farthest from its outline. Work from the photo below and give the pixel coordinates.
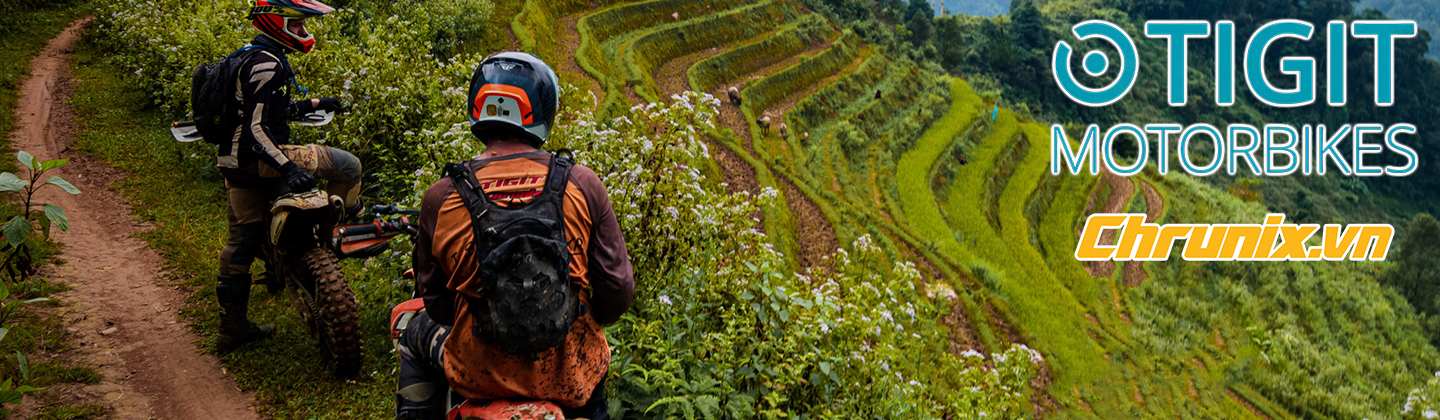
(1272, 241)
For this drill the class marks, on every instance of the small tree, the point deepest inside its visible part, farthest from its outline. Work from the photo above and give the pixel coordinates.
(18, 260)
(1417, 265)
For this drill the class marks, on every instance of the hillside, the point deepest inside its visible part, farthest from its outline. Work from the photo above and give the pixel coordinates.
(891, 245)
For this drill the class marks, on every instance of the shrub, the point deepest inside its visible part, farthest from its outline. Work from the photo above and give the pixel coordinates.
(455, 22)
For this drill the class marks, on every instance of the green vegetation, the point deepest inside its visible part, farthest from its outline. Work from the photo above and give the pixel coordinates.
(1415, 275)
(74, 413)
(730, 65)
(707, 277)
(648, 51)
(940, 211)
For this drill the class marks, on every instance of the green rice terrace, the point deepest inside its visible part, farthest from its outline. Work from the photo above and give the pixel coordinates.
(863, 142)
(867, 228)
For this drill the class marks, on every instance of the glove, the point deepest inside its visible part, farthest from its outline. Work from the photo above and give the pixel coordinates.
(297, 179)
(331, 104)
(306, 106)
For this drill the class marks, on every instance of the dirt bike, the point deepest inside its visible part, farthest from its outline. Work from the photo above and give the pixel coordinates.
(455, 406)
(302, 256)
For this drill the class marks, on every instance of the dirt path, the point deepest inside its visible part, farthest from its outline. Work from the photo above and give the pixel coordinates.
(814, 236)
(1121, 189)
(570, 41)
(120, 310)
(1135, 274)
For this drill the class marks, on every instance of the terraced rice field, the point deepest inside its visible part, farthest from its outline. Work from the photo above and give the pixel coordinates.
(872, 147)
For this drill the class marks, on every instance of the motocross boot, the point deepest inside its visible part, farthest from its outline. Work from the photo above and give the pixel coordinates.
(354, 214)
(233, 294)
(415, 402)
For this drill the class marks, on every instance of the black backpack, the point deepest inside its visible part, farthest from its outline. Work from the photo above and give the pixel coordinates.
(527, 303)
(212, 96)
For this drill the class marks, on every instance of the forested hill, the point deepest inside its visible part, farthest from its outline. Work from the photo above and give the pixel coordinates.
(1424, 12)
(977, 7)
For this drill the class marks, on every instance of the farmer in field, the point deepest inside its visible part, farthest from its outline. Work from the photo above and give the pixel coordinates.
(520, 256)
(258, 162)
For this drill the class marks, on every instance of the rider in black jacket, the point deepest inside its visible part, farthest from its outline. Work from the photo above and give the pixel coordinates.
(260, 164)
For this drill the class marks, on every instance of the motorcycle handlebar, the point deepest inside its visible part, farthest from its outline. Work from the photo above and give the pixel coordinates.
(375, 229)
(392, 209)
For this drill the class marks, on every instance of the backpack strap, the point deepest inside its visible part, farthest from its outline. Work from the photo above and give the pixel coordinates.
(244, 49)
(555, 184)
(555, 180)
(471, 194)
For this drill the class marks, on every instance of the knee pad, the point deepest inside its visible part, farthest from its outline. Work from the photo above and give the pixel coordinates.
(420, 394)
(345, 163)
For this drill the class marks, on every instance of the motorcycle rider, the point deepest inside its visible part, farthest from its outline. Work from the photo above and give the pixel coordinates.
(259, 164)
(512, 170)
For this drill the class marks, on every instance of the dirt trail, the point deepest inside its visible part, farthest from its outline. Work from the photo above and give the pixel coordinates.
(1135, 274)
(120, 311)
(1121, 189)
(570, 41)
(672, 78)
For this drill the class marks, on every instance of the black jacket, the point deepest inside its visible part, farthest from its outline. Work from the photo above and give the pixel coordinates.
(264, 95)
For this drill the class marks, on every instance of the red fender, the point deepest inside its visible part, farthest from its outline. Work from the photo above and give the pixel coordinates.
(401, 315)
(506, 410)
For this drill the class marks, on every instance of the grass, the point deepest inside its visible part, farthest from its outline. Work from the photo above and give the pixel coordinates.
(74, 413)
(662, 43)
(602, 33)
(189, 212)
(534, 24)
(1042, 307)
(734, 63)
(916, 198)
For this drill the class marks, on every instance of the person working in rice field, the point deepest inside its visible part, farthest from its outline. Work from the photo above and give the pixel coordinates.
(519, 258)
(259, 164)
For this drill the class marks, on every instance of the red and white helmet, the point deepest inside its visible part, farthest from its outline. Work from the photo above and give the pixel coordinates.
(272, 17)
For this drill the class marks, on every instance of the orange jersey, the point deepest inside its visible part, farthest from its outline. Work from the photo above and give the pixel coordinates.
(446, 267)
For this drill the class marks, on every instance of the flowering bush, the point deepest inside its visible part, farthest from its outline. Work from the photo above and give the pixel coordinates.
(1423, 402)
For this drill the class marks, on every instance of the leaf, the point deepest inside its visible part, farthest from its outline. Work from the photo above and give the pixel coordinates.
(52, 164)
(63, 184)
(45, 226)
(27, 159)
(3, 332)
(36, 300)
(665, 401)
(10, 396)
(10, 182)
(56, 215)
(17, 230)
(24, 366)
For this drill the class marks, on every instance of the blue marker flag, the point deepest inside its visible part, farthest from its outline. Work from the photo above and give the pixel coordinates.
(995, 114)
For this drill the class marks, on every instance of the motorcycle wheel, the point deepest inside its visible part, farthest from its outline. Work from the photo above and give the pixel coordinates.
(337, 324)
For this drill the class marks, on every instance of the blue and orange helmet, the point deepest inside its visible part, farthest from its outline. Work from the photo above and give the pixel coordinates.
(272, 17)
(514, 93)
